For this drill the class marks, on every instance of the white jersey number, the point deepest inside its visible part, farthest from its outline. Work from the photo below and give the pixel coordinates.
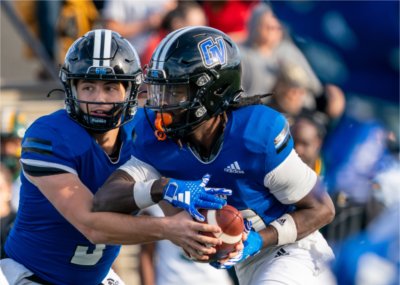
(82, 257)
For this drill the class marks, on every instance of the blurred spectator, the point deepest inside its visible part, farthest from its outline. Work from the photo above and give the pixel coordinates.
(187, 13)
(76, 18)
(7, 213)
(136, 20)
(345, 149)
(163, 263)
(47, 13)
(229, 16)
(353, 154)
(291, 96)
(336, 38)
(372, 257)
(26, 10)
(308, 135)
(267, 49)
(289, 93)
(40, 18)
(385, 191)
(13, 126)
(332, 102)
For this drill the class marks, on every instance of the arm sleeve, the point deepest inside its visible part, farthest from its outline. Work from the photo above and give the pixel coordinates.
(139, 170)
(292, 180)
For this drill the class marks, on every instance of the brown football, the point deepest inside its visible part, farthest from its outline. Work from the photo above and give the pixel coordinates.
(230, 220)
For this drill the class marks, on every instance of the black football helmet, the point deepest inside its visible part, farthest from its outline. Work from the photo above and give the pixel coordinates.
(193, 75)
(102, 55)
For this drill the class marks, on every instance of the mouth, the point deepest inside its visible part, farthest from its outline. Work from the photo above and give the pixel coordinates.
(100, 113)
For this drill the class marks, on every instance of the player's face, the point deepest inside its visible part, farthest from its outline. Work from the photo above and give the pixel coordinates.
(169, 102)
(167, 95)
(102, 93)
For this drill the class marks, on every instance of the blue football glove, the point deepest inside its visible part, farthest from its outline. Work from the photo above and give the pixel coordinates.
(190, 195)
(252, 245)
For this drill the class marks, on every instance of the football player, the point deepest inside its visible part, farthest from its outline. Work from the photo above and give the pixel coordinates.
(68, 155)
(196, 124)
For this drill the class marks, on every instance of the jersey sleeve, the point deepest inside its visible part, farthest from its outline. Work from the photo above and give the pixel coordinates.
(287, 177)
(279, 143)
(139, 170)
(46, 152)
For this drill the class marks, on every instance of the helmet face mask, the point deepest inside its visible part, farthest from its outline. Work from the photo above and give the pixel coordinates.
(175, 100)
(101, 55)
(207, 62)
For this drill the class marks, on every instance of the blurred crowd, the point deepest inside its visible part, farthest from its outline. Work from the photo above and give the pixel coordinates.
(357, 157)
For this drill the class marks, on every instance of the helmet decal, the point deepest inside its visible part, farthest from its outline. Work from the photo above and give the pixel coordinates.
(213, 52)
(102, 48)
(161, 51)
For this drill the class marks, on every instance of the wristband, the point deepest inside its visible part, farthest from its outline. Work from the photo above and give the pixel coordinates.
(286, 228)
(142, 194)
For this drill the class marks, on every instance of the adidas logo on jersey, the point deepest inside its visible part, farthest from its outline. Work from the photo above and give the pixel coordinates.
(281, 221)
(281, 252)
(234, 168)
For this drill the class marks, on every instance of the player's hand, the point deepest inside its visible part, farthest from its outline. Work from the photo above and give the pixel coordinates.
(251, 246)
(188, 234)
(191, 195)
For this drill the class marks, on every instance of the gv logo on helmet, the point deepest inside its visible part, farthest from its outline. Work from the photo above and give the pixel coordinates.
(213, 51)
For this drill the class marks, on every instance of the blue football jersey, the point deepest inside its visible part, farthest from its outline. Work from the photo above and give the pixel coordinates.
(256, 140)
(42, 239)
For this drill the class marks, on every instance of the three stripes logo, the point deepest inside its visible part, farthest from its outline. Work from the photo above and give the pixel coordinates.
(281, 252)
(281, 221)
(234, 168)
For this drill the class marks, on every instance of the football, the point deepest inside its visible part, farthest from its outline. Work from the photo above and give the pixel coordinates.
(230, 220)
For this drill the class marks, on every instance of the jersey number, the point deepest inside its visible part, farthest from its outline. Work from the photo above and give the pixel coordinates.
(82, 257)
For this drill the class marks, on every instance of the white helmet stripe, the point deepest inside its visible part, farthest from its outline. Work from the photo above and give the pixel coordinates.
(97, 47)
(160, 58)
(107, 47)
(102, 47)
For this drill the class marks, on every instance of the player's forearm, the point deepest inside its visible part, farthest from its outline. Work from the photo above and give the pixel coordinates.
(114, 228)
(314, 214)
(181, 229)
(117, 193)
